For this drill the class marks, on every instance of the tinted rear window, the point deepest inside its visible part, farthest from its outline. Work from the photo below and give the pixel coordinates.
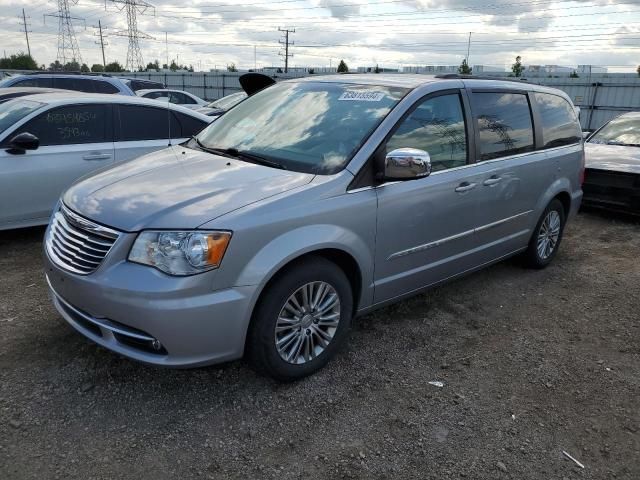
(138, 122)
(105, 87)
(136, 85)
(75, 84)
(504, 123)
(34, 82)
(189, 126)
(559, 120)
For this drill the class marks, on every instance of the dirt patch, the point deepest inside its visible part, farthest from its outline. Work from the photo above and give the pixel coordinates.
(533, 363)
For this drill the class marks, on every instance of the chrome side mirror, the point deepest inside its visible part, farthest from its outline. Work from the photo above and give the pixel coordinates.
(406, 164)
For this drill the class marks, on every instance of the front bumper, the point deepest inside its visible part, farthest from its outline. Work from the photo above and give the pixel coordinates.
(613, 190)
(145, 315)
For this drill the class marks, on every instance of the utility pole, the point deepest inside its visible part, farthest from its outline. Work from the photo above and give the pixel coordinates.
(468, 47)
(26, 30)
(101, 43)
(166, 47)
(255, 63)
(286, 44)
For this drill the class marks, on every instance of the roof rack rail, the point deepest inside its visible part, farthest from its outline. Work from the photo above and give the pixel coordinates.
(66, 72)
(450, 76)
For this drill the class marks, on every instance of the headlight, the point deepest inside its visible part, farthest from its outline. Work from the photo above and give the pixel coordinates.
(180, 253)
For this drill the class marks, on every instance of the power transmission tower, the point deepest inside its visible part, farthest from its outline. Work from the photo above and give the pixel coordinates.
(102, 42)
(25, 25)
(68, 49)
(286, 43)
(133, 8)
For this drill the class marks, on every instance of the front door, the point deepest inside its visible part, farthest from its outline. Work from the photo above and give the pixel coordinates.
(74, 141)
(425, 230)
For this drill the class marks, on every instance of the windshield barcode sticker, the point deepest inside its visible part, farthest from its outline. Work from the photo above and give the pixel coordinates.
(361, 96)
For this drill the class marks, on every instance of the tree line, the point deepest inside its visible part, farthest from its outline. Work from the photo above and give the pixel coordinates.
(23, 61)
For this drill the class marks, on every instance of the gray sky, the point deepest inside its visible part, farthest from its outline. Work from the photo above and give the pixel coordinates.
(392, 33)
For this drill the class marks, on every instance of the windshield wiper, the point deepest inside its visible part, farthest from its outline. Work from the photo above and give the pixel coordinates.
(215, 151)
(241, 154)
(252, 157)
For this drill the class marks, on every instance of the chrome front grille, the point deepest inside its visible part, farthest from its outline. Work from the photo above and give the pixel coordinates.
(77, 244)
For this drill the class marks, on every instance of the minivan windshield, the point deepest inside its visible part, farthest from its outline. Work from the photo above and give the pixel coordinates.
(623, 130)
(311, 127)
(15, 110)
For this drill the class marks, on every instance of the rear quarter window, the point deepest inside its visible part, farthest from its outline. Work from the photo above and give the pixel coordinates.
(105, 87)
(139, 122)
(504, 123)
(190, 126)
(559, 120)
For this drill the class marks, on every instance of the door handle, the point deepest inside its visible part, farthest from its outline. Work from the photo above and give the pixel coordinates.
(97, 156)
(465, 187)
(492, 181)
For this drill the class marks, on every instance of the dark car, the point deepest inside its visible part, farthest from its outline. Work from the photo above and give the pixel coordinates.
(612, 159)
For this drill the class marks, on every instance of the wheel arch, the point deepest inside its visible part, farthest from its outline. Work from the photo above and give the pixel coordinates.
(559, 189)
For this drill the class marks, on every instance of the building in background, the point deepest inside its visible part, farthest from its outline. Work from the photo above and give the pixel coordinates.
(379, 69)
(440, 69)
(591, 69)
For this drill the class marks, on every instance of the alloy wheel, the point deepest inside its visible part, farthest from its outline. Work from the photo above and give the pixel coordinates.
(548, 234)
(307, 322)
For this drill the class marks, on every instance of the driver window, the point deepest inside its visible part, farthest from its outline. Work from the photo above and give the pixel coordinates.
(437, 127)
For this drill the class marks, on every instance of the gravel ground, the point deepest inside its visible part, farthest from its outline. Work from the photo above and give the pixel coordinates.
(533, 363)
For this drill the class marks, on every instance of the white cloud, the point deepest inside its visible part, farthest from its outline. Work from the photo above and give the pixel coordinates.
(218, 32)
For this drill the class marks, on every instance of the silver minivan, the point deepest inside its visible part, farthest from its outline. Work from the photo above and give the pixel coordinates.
(312, 202)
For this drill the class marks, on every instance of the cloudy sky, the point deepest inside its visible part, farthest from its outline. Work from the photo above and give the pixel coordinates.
(392, 33)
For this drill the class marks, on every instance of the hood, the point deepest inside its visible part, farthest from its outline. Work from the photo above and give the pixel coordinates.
(618, 158)
(176, 188)
(254, 82)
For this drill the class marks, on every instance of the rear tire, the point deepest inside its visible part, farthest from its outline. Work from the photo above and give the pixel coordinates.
(546, 237)
(302, 319)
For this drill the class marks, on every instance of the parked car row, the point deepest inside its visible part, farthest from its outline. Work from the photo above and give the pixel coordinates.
(100, 83)
(88, 83)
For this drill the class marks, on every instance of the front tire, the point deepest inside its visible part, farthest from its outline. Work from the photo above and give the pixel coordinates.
(547, 236)
(301, 320)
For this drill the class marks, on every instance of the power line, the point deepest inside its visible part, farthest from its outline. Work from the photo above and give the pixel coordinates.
(286, 44)
(67, 44)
